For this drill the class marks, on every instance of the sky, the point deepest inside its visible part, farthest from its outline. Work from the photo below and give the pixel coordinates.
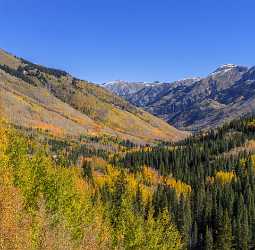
(133, 40)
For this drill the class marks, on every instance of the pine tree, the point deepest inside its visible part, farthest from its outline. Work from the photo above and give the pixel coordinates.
(244, 239)
(138, 202)
(208, 245)
(224, 233)
(185, 220)
(195, 235)
(87, 170)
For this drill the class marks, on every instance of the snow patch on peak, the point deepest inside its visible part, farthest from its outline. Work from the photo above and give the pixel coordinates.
(224, 68)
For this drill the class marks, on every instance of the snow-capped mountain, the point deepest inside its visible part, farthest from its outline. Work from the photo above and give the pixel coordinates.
(199, 103)
(124, 88)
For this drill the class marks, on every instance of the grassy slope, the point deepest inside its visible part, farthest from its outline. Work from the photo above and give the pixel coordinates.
(57, 102)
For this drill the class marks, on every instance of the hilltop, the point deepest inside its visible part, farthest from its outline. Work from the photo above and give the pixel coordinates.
(38, 97)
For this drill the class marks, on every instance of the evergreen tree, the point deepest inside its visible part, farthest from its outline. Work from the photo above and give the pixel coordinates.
(87, 170)
(208, 244)
(244, 239)
(224, 233)
(185, 220)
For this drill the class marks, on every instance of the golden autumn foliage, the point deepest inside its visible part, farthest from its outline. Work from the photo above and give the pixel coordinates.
(147, 180)
(225, 177)
(180, 187)
(251, 124)
(222, 177)
(15, 225)
(151, 177)
(109, 175)
(253, 161)
(54, 130)
(244, 163)
(44, 206)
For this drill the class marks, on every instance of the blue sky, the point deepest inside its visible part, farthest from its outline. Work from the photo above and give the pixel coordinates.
(136, 40)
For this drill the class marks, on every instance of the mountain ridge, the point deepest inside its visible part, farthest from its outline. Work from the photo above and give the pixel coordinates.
(201, 103)
(49, 99)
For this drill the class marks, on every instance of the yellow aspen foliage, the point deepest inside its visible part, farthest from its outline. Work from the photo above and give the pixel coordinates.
(132, 150)
(5, 172)
(132, 182)
(180, 187)
(151, 177)
(253, 161)
(43, 206)
(243, 163)
(251, 124)
(15, 224)
(109, 177)
(225, 177)
(46, 206)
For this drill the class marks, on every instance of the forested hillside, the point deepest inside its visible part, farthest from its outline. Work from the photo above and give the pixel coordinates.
(219, 212)
(38, 97)
(163, 159)
(47, 206)
(81, 168)
(103, 193)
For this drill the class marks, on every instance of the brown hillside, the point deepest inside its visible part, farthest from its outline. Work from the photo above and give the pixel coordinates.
(52, 100)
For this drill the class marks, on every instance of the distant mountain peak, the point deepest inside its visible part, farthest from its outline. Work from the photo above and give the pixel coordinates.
(198, 103)
(128, 82)
(226, 68)
(114, 81)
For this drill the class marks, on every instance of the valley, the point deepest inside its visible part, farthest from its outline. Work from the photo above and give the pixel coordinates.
(82, 168)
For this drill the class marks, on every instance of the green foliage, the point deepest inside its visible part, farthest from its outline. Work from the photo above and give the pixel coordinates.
(220, 170)
(224, 233)
(128, 205)
(208, 240)
(66, 208)
(17, 73)
(133, 231)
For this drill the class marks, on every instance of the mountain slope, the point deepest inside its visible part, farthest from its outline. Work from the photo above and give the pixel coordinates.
(195, 104)
(49, 99)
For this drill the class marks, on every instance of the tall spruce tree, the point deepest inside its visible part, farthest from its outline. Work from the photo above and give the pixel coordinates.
(208, 242)
(224, 233)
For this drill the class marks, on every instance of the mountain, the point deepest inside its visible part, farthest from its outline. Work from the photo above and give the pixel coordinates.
(201, 103)
(124, 88)
(51, 100)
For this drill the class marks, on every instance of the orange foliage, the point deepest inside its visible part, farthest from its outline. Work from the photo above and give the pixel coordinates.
(53, 129)
(151, 176)
(109, 177)
(14, 224)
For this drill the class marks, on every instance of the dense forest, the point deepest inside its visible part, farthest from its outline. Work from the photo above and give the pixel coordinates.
(219, 212)
(105, 193)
